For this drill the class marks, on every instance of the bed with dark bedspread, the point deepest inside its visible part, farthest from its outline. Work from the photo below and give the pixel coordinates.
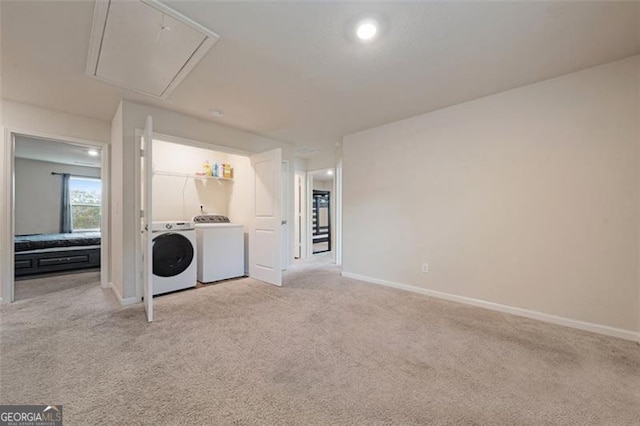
(42, 253)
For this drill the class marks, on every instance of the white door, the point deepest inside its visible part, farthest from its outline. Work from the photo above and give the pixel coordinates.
(297, 196)
(264, 238)
(146, 175)
(284, 228)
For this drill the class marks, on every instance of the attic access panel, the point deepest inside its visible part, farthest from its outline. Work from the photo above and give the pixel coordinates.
(144, 46)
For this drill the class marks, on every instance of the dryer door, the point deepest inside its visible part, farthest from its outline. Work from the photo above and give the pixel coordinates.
(172, 254)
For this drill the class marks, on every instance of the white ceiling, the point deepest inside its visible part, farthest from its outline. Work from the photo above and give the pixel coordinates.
(55, 152)
(323, 175)
(294, 71)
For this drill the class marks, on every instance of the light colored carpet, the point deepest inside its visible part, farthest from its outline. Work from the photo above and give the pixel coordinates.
(39, 285)
(321, 350)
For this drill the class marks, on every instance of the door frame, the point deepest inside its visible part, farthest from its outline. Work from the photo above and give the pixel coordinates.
(144, 147)
(287, 236)
(300, 213)
(335, 217)
(137, 176)
(7, 225)
(138, 132)
(337, 186)
(316, 211)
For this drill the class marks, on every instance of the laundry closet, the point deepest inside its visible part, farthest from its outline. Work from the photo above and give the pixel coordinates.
(210, 191)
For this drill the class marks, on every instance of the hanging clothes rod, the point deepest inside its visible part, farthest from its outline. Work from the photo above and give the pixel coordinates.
(74, 175)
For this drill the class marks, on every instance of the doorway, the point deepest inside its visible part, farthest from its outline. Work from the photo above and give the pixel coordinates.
(249, 194)
(55, 232)
(321, 221)
(321, 212)
(199, 207)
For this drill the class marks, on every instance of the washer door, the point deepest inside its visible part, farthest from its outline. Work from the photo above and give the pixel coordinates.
(172, 254)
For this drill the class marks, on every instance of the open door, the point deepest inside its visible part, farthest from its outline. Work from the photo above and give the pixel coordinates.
(146, 177)
(284, 228)
(264, 239)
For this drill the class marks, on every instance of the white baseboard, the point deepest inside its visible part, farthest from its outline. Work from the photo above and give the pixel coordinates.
(124, 302)
(567, 322)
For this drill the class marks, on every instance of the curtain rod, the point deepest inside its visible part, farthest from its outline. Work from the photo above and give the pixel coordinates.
(74, 175)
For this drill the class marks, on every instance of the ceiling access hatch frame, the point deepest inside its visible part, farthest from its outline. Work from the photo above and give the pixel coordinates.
(201, 40)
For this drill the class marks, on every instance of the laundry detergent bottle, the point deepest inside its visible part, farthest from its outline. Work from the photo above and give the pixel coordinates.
(206, 167)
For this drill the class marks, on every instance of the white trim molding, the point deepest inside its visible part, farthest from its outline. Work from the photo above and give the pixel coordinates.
(6, 223)
(105, 213)
(128, 300)
(540, 316)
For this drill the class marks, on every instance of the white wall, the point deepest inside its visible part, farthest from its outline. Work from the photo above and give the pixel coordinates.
(323, 185)
(38, 194)
(299, 164)
(528, 198)
(325, 159)
(174, 124)
(180, 198)
(23, 117)
(117, 188)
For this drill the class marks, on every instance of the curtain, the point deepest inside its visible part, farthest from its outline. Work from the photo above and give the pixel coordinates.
(65, 216)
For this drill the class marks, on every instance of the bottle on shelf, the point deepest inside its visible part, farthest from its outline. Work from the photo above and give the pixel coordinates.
(207, 168)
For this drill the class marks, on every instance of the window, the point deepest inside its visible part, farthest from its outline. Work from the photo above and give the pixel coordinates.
(86, 199)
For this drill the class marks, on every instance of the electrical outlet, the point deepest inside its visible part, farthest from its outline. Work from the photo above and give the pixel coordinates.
(425, 268)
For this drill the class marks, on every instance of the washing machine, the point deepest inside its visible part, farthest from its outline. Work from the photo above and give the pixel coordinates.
(174, 256)
(220, 247)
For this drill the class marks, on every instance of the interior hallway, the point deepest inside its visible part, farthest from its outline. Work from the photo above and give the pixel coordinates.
(321, 350)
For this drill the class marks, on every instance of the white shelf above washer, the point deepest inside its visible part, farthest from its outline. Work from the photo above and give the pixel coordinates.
(188, 175)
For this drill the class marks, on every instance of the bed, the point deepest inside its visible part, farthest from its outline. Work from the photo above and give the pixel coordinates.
(43, 253)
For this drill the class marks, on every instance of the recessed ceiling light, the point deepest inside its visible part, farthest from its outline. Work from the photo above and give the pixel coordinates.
(329, 172)
(367, 30)
(217, 112)
(92, 152)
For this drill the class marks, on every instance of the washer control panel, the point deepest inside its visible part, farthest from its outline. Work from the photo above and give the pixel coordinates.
(171, 225)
